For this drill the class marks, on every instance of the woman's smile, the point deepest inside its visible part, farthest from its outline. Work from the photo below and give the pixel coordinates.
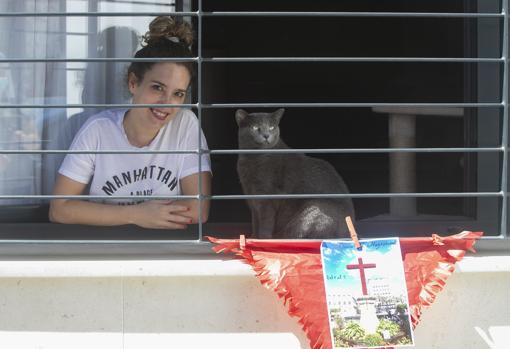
(158, 114)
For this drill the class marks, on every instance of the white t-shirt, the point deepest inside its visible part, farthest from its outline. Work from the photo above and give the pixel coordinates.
(134, 174)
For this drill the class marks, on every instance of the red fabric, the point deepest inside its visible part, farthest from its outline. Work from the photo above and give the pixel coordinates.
(293, 269)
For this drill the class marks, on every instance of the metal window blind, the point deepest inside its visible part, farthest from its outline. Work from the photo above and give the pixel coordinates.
(502, 149)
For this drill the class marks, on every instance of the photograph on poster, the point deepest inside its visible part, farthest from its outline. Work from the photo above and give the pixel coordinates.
(366, 294)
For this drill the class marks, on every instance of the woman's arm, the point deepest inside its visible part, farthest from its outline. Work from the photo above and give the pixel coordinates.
(149, 214)
(189, 186)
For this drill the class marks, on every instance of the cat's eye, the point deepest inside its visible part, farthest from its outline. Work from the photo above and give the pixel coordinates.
(271, 128)
(254, 128)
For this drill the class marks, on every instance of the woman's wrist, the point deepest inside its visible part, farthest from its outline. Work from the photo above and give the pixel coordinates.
(129, 214)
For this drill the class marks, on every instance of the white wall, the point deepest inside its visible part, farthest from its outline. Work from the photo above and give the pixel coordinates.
(212, 303)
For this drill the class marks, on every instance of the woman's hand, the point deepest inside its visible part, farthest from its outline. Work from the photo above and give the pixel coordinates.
(159, 214)
(162, 214)
(189, 186)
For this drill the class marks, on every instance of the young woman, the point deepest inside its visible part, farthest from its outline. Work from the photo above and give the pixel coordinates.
(145, 129)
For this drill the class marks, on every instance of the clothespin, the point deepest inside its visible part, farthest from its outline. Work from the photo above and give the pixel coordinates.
(437, 240)
(242, 242)
(352, 231)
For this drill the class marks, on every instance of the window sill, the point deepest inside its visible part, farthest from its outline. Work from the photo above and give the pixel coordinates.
(187, 266)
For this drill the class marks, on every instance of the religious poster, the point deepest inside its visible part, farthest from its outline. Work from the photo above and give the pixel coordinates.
(366, 294)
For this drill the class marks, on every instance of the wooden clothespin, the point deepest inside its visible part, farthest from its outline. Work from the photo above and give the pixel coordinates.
(242, 242)
(352, 231)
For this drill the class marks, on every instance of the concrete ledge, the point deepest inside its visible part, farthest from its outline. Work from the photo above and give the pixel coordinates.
(187, 267)
(481, 263)
(124, 268)
(214, 303)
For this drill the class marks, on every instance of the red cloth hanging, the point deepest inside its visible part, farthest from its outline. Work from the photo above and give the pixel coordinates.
(293, 269)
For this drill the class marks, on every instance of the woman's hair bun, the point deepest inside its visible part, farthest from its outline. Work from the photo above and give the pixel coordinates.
(165, 27)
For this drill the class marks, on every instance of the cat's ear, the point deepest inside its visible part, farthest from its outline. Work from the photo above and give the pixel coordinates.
(240, 117)
(278, 114)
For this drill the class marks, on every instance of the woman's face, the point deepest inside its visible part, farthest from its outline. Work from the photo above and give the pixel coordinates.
(164, 83)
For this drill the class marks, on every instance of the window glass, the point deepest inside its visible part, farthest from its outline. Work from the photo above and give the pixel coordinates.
(348, 105)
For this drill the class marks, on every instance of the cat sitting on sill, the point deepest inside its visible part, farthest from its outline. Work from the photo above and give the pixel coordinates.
(284, 173)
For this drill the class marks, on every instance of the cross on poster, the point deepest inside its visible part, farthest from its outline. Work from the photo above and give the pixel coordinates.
(366, 294)
(361, 268)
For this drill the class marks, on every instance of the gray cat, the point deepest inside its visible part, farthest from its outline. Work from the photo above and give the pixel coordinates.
(284, 173)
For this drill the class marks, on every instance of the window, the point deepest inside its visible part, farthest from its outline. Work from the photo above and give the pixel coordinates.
(407, 100)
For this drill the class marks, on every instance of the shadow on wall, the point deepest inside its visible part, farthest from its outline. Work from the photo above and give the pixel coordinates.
(476, 301)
